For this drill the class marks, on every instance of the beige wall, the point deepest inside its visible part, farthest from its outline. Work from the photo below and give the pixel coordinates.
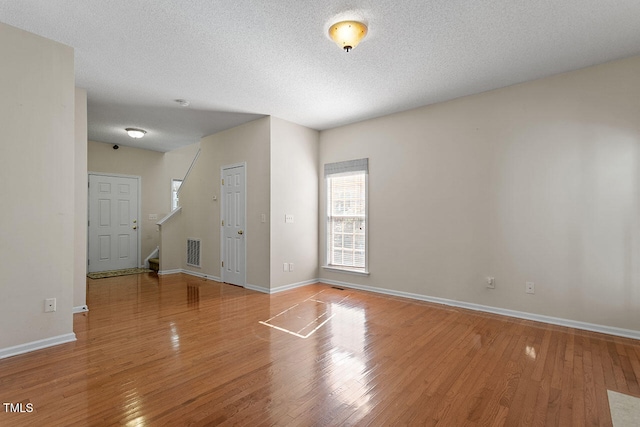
(156, 170)
(537, 182)
(282, 177)
(173, 245)
(201, 214)
(177, 163)
(155, 190)
(80, 221)
(172, 241)
(294, 184)
(37, 170)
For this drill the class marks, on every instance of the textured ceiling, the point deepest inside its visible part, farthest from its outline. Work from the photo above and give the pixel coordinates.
(235, 60)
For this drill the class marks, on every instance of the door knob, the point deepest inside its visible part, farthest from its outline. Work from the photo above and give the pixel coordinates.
(240, 232)
(135, 227)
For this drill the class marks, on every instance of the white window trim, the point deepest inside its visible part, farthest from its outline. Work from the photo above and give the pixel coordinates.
(336, 169)
(348, 270)
(178, 192)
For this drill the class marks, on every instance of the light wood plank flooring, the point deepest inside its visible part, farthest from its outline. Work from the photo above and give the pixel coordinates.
(179, 350)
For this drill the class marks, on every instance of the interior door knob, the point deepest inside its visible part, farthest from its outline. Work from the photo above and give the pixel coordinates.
(240, 232)
(135, 227)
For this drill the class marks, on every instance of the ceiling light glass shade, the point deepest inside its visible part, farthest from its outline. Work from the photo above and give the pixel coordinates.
(347, 34)
(135, 133)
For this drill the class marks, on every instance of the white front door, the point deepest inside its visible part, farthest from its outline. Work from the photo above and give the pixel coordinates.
(113, 222)
(233, 225)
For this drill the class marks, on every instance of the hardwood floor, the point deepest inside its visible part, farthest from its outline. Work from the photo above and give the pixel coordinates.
(179, 350)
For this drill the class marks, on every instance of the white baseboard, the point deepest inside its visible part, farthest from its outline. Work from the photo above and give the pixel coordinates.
(190, 273)
(280, 288)
(257, 288)
(80, 309)
(204, 276)
(610, 330)
(167, 272)
(36, 345)
(292, 286)
(247, 286)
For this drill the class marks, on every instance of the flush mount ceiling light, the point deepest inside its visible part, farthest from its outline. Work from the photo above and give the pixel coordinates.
(135, 133)
(347, 34)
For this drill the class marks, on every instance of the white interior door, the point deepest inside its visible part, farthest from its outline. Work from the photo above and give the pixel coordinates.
(113, 222)
(233, 225)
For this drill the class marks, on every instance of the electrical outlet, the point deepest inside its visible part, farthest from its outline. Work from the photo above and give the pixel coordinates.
(491, 282)
(290, 266)
(530, 288)
(49, 305)
(285, 266)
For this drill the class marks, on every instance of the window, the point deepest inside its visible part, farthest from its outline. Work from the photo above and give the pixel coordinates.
(346, 232)
(175, 187)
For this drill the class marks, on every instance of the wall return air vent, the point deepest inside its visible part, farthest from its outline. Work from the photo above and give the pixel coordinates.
(193, 252)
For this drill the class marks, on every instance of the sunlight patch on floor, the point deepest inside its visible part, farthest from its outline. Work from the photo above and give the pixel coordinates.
(306, 317)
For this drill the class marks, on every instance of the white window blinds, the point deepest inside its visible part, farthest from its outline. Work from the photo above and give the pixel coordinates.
(347, 214)
(358, 166)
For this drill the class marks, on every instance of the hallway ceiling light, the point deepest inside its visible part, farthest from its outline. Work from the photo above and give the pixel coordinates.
(347, 34)
(135, 133)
